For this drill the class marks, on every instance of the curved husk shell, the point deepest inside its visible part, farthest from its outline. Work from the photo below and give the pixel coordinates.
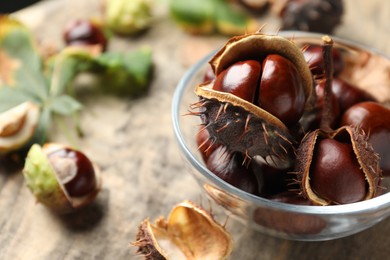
(366, 157)
(244, 127)
(241, 125)
(188, 233)
(257, 46)
(17, 126)
(42, 181)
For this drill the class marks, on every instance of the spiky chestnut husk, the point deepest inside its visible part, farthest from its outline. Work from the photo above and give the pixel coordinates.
(45, 184)
(17, 126)
(190, 232)
(366, 158)
(249, 131)
(239, 124)
(311, 15)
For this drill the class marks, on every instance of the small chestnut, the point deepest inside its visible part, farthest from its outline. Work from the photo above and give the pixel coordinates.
(61, 177)
(84, 32)
(313, 57)
(348, 94)
(337, 167)
(374, 119)
(230, 168)
(336, 174)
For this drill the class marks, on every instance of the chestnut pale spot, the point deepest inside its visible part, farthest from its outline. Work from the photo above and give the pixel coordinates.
(74, 170)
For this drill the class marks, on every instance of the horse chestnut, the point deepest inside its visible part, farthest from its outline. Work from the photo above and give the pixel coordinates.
(313, 56)
(374, 119)
(336, 174)
(74, 170)
(230, 168)
(84, 32)
(61, 177)
(261, 89)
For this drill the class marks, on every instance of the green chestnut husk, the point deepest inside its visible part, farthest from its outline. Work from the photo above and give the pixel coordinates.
(43, 181)
(210, 16)
(127, 17)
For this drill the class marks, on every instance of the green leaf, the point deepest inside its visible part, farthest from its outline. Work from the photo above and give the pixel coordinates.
(23, 64)
(65, 66)
(45, 120)
(64, 105)
(126, 74)
(195, 16)
(139, 63)
(11, 97)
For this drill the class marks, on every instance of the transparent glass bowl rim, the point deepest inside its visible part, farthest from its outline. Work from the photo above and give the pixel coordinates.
(373, 205)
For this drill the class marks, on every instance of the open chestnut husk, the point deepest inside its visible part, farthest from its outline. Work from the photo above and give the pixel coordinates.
(337, 168)
(190, 232)
(250, 71)
(374, 119)
(60, 177)
(17, 126)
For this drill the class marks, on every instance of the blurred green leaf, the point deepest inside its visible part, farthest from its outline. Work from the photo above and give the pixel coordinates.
(208, 16)
(126, 74)
(22, 64)
(64, 105)
(11, 97)
(65, 66)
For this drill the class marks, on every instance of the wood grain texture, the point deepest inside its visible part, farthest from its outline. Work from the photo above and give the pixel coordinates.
(143, 174)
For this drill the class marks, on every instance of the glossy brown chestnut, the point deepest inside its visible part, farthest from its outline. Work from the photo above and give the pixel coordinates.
(312, 15)
(271, 180)
(241, 79)
(348, 94)
(84, 32)
(274, 85)
(374, 119)
(313, 57)
(281, 92)
(230, 168)
(336, 174)
(74, 170)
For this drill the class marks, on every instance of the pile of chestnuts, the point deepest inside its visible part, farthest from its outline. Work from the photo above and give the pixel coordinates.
(278, 122)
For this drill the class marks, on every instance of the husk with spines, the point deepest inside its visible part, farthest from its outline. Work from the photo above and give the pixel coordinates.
(239, 124)
(365, 155)
(190, 232)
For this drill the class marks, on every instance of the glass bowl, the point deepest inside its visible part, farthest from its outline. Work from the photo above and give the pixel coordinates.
(370, 70)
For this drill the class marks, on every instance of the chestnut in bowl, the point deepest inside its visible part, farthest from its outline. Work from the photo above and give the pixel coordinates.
(268, 214)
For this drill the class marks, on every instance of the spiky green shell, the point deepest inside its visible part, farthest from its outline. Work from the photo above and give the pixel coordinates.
(42, 181)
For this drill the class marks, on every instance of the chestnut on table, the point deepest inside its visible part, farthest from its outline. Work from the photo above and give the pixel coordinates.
(142, 174)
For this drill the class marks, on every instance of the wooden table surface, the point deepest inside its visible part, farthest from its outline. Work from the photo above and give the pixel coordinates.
(143, 174)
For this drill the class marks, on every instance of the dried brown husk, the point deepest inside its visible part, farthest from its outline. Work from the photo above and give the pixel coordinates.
(244, 127)
(189, 233)
(256, 46)
(365, 155)
(241, 125)
(17, 126)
